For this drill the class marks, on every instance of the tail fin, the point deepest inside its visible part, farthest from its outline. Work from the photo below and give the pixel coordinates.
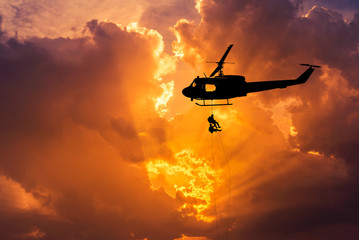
(304, 77)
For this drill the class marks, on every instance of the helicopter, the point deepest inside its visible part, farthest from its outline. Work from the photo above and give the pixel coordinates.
(222, 86)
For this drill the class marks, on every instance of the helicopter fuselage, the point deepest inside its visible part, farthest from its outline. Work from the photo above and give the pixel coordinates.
(219, 87)
(231, 86)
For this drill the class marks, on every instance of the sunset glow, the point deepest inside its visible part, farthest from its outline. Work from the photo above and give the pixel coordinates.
(98, 142)
(161, 101)
(189, 178)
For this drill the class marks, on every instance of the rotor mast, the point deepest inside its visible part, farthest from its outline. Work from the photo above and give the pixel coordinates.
(221, 62)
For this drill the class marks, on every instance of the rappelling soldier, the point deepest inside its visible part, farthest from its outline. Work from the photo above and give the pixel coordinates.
(213, 125)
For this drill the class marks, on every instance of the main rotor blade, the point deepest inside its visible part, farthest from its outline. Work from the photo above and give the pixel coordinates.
(220, 63)
(225, 54)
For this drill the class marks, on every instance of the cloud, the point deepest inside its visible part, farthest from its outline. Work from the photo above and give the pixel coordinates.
(15, 198)
(64, 18)
(79, 128)
(161, 15)
(274, 175)
(346, 4)
(72, 114)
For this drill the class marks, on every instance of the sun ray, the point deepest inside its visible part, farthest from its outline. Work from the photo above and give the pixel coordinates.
(189, 179)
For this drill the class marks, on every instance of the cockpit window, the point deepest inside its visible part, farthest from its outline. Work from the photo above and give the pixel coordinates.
(210, 87)
(194, 84)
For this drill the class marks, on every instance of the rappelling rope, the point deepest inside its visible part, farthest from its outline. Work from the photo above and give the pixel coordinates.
(229, 188)
(229, 184)
(212, 105)
(214, 190)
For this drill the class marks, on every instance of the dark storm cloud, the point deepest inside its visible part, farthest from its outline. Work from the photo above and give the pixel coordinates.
(342, 4)
(270, 40)
(293, 223)
(41, 79)
(1, 30)
(323, 34)
(70, 128)
(69, 139)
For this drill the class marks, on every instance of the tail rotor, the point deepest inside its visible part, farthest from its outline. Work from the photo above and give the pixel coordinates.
(310, 65)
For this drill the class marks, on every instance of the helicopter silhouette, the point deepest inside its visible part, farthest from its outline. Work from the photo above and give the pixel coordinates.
(231, 86)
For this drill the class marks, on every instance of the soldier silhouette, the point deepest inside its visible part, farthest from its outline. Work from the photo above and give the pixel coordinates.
(213, 124)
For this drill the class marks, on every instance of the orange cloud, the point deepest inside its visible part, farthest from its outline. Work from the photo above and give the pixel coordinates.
(15, 198)
(283, 145)
(95, 128)
(189, 179)
(73, 126)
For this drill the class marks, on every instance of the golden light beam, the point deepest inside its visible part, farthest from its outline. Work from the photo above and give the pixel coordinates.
(189, 179)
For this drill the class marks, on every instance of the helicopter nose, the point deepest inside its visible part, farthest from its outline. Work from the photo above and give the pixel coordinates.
(186, 92)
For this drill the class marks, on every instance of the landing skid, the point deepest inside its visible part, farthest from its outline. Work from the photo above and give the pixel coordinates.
(216, 104)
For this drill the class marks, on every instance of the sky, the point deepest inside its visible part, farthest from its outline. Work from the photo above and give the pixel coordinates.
(98, 142)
